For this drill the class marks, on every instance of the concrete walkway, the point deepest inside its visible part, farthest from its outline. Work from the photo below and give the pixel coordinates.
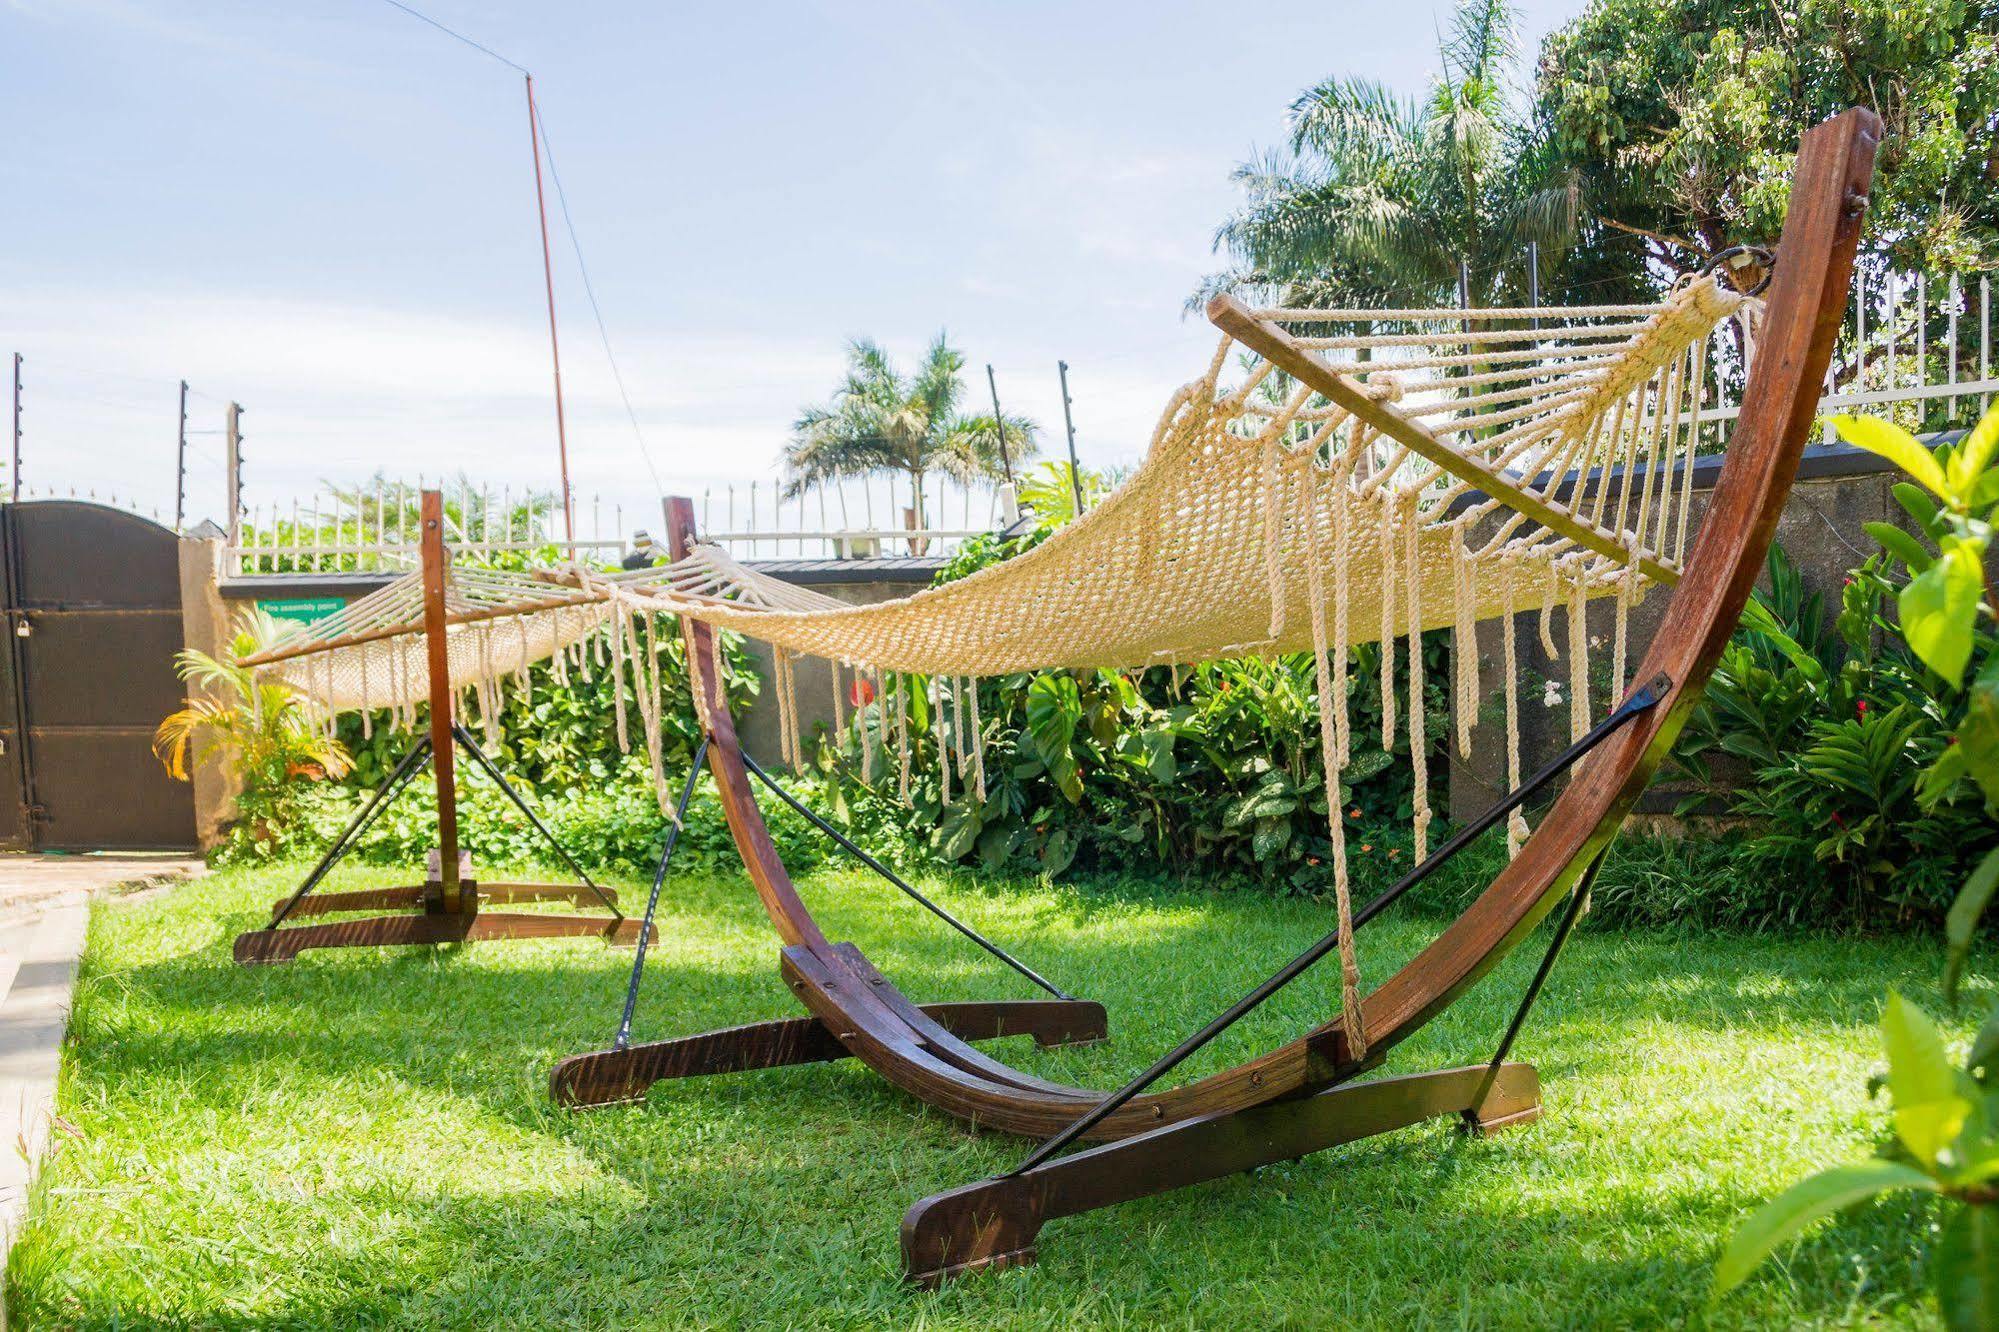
(44, 905)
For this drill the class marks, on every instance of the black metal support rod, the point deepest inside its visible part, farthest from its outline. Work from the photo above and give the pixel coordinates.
(624, 1037)
(464, 737)
(1578, 903)
(1639, 701)
(909, 891)
(351, 834)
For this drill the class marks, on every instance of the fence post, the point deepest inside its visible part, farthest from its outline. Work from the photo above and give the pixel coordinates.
(233, 471)
(15, 492)
(180, 465)
(1068, 422)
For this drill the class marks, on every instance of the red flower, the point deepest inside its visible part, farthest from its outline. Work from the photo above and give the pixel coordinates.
(861, 693)
(1860, 708)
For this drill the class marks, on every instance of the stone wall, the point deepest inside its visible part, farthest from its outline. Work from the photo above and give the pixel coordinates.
(1838, 488)
(859, 582)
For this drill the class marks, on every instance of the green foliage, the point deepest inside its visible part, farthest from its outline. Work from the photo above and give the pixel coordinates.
(557, 743)
(1946, 1117)
(1379, 197)
(613, 824)
(1947, 610)
(1682, 119)
(881, 420)
(563, 732)
(1946, 1122)
(1217, 765)
(263, 729)
(1816, 735)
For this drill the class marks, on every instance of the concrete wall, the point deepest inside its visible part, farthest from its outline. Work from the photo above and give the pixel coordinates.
(206, 627)
(858, 582)
(1838, 489)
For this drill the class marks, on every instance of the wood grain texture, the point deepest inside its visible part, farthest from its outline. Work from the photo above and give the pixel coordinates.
(609, 1077)
(264, 946)
(994, 1222)
(489, 894)
(437, 650)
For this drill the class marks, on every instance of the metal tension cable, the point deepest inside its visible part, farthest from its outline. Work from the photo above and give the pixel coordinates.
(1578, 903)
(652, 901)
(359, 824)
(1638, 702)
(464, 737)
(915, 896)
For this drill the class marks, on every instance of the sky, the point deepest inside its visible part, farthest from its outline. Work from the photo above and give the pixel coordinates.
(325, 211)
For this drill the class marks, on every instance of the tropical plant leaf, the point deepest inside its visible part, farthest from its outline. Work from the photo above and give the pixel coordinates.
(1966, 1264)
(1929, 1111)
(1803, 1203)
(1962, 920)
(1918, 504)
(1900, 544)
(1940, 607)
(952, 839)
(1886, 440)
(1973, 454)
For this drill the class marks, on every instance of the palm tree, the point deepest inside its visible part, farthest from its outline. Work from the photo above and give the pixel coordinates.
(263, 725)
(881, 421)
(1379, 197)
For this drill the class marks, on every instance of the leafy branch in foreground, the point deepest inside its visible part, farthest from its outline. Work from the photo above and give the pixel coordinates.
(1946, 1118)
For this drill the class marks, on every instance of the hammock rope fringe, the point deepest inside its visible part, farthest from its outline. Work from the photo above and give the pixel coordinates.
(1249, 520)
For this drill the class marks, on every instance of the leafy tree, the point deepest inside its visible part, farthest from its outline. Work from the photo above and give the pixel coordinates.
(1378, 197)
(1681, 118)
(883, 421)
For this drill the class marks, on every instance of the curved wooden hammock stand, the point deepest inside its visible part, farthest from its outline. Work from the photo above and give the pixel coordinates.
(1301, 1097)
(446, 907)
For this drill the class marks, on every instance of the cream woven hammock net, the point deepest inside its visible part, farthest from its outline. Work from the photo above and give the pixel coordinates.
(1264, 519)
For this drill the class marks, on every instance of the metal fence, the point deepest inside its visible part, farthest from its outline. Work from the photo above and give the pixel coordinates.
(1917, 350)
(376, 527)
(858, 517)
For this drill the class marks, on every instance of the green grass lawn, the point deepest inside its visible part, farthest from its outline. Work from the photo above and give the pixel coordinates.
(364, 1138)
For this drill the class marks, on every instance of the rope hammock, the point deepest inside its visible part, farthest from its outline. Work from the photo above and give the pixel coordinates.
(1378, 474)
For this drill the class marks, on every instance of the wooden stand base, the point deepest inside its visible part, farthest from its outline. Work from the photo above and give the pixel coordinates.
(496, 894)
(993, 1223)
(282, 945)
(608, 1077)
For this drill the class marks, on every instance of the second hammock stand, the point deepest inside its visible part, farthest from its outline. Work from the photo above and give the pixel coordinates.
(447, 906)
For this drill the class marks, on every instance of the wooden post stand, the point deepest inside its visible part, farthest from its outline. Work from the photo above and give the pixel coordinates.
(447, 904)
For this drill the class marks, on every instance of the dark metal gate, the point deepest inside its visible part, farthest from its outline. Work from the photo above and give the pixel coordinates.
(93, 620)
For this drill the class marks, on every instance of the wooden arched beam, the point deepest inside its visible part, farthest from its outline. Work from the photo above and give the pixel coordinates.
(1291, 1100)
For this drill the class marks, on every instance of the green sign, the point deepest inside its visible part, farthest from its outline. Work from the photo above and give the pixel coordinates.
(302, 609)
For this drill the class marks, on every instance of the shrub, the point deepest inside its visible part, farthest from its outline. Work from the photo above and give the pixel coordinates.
(1214, 767)
(1823, 731)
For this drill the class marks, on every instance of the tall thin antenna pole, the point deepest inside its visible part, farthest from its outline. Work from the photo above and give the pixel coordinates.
(554, 348)
(232, 459)
(1069, 423)
(1534, 278)
(15, 493)
(999, 424)
(180, 465)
